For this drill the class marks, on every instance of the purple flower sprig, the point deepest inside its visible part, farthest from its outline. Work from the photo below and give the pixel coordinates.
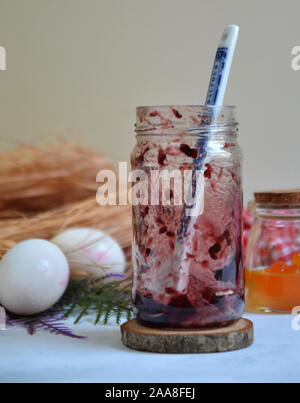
(53, 323)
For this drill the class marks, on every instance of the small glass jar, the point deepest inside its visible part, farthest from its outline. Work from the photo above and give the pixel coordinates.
(188, 266)
(273, 254)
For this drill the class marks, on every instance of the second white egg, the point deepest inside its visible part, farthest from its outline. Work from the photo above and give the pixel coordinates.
(92, 251)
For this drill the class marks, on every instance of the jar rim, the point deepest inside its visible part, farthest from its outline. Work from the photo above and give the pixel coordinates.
(209, 107)
(277, 211)
(192, 118)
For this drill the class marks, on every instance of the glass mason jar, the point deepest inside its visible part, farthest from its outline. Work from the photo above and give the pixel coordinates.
(273, 253)
(187, 256)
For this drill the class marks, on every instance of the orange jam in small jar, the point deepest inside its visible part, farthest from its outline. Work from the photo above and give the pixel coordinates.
(273, 254)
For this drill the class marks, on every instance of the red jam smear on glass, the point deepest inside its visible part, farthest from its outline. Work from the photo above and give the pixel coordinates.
(196, 282)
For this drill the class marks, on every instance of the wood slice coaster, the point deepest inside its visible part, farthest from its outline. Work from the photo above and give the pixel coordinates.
(236, 336)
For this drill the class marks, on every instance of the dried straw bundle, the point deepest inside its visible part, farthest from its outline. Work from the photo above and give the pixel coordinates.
(46, 190)
(39, 179)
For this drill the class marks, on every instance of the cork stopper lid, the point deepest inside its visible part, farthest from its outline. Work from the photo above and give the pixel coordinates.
(285, 197)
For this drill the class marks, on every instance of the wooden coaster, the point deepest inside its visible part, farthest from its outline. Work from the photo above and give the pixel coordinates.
(233, 337)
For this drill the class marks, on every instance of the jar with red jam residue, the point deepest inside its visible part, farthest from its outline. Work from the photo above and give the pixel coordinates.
(188, 267)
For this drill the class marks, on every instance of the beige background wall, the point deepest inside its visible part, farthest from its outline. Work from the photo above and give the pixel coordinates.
(79, 68)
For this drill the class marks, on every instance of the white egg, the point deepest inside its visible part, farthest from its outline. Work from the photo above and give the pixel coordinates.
(33, 276)
(92, 251)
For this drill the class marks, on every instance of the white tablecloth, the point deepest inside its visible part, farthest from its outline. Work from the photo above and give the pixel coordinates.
(45, 357)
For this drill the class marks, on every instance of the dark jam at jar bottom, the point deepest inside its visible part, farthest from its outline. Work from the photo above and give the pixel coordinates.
(181, 314)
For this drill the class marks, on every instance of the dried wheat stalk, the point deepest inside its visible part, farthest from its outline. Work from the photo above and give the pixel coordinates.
(46, 190)
(39, 179)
